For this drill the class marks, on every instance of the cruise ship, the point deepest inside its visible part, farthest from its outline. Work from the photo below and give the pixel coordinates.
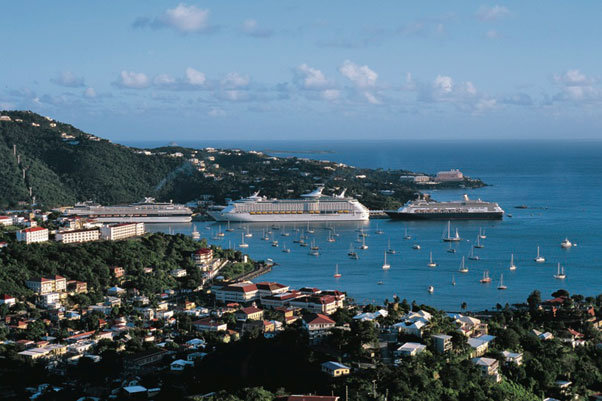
(466, 209)
(313, 206)
(147, 211)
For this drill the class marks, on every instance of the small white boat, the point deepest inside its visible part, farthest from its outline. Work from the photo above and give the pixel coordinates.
(501, 285)
(416, 246)
(451, 249)
(330, 237)
(478, 244)
(486, 279)
(314, 253)
(482, 234)
(314, 247)
(336, 272)
(309, 230)
(386, 266)
(431, 289)
(472, 256)
(378, 230)
(380, 282)
(248, 234)
(453, 280)
(463, 268)
(364, 246)
(195, 234)
(539, 258)
(449, 238)
(431, 263)
(566, 244)
(407, 236)
(284, 234)
(229, 229)
(243, 244)
(560, 275)
(512, 265)
(285, 249)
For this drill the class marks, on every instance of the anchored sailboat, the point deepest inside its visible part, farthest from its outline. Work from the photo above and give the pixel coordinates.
(501, 285)
(449, 237)
(431, 263)
(242, 243)
(560, 273)
(486, 279)
(390, 250)
(539, 258)
(336, 272)
(512, 265)
(386, 266)
(463, 268)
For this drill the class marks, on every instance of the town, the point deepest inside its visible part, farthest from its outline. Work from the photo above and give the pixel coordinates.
(177, 316)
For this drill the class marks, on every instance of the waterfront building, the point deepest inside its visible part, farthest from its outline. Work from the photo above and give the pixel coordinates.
(452, 175)
(32, 234)
(77, 236)
(121, 231)
(239, 292)
(267, 288)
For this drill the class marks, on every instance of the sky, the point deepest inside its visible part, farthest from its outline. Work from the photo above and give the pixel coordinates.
(146, 70)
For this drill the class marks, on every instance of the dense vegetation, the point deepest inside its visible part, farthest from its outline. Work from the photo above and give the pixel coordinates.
(78, 166)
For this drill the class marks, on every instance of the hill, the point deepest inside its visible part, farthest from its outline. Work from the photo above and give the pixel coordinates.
(62, 165)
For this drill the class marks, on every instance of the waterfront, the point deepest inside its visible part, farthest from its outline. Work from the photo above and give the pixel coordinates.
(558, 181)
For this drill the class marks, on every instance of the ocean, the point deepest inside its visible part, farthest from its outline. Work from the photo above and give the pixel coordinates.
(559, 181)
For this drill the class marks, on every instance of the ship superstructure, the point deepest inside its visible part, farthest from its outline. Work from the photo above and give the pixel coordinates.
(313, 206)
(427, 209)
(146, 211)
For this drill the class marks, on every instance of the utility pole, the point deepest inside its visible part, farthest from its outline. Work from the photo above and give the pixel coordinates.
(14, 149)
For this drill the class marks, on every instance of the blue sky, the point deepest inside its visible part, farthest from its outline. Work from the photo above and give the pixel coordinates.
(201, 70)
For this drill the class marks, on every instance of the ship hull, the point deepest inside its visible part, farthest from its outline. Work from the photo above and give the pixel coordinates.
(141, 219)
(248, 218)
(395, 215)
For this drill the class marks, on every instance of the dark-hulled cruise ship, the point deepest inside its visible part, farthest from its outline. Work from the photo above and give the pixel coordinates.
(466, 209)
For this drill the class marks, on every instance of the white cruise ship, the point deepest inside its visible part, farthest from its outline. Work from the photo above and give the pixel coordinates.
(147, 211)
(311, 207)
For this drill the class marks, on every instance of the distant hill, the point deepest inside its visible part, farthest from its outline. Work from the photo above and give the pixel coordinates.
(64, 165)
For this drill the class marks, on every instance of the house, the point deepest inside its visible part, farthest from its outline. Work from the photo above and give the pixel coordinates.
(452, 175)
(7, 300)
(370, 316)
(179, 365)
(117, 291)
(262, 326)
(242, 292)
(442, 342)
(117, 271)
(410, 349)
(513, 357)
(116, 232)
(489, 367)
(412, 328)
(335, 369)
(209, 324)
(50, 300)
(6, 221)
(480, 344)
(144, 358)
(543, 336)
(469, 326)
(77, 287)
(318, 326)
(77, 236)
(250, 313)
(202, 256)
(267, 288)
(179, 273)
(41, 285)
(32, 234)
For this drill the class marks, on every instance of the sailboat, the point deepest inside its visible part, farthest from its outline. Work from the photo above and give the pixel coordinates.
(195, 234)
(416, 247)
(220, 234)
(378, 230)
(482, 233)
(229, 229)
(285, 249)
(390, 250)
(512, 265)
(486, 279)
(478, 244)
(314, 247)
(362, 233)
(248, 234)
(310, 230)
(560, 273)
(501, 285)
(453, 280)
(330, 237)
(451, 249)
(274, 242)
(463, 268)
(386, 266)
(566, 244)
(472, 256)
(364, 246)
(243, 244)
(406, 235)
(539, 258)
(431, 289)
(284, 233)
(352, 254)
(265, 236)
(336, 272)
(449, 237)
(431, 263)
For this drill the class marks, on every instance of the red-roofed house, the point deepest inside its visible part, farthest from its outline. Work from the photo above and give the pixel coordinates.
(33, 234)
(250, 313)
(239, 292)
(318, 326)
(6, 221)
(268, 288)
(202, 256)
(7, 300)
(209, 325)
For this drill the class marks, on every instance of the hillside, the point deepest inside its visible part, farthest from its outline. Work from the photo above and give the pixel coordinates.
(64, 165)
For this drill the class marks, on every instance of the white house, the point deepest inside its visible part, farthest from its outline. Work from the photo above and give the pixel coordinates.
(410, 349)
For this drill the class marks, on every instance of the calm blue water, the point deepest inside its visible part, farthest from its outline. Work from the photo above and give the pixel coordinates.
(559, 181)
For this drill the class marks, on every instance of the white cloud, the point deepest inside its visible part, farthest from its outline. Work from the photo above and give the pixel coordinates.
(496, 12)
(132, 80)
(577, 87)
(90, 93)
(443, 84)
(235, 80)
(68, 79)
(216, 112)
(361, 76)
(233, 95)
(185, 19)
(251, 28)
(371, 98)
(492, 34)
(311, 78)
(164, 80)
(195, 77)
(573, 78)
(330, 94)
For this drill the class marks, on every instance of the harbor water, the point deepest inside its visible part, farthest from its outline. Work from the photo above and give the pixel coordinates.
(559, 182)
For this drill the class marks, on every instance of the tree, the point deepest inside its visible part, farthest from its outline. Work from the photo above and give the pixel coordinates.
(534, 299)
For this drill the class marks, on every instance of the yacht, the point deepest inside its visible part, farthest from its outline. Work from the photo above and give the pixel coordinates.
(229, 229)
(330, 237)
(463, 268)
(378, 230)
(313, 206)
(501, 285)
(453, 280)
(310, 230)
(248, 234)
(265, 236)
(428, 209)
(478, 244)
(195, 234)
(449, 237)
(390, 250)
(566, 244)
(486, 279)
(482, 234)
(539, 258)
(363, 246)
(560, 275)
(314, 247)
(451, 249)
(243, 244)
(314, 252)
(336, 272)
(352, 254)
(416, 247)
(431, 263)
(431, 289)
(285, 249)
(220, 234)
(472, 256)
(407, 236)
(386, 266)
(512, 265)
